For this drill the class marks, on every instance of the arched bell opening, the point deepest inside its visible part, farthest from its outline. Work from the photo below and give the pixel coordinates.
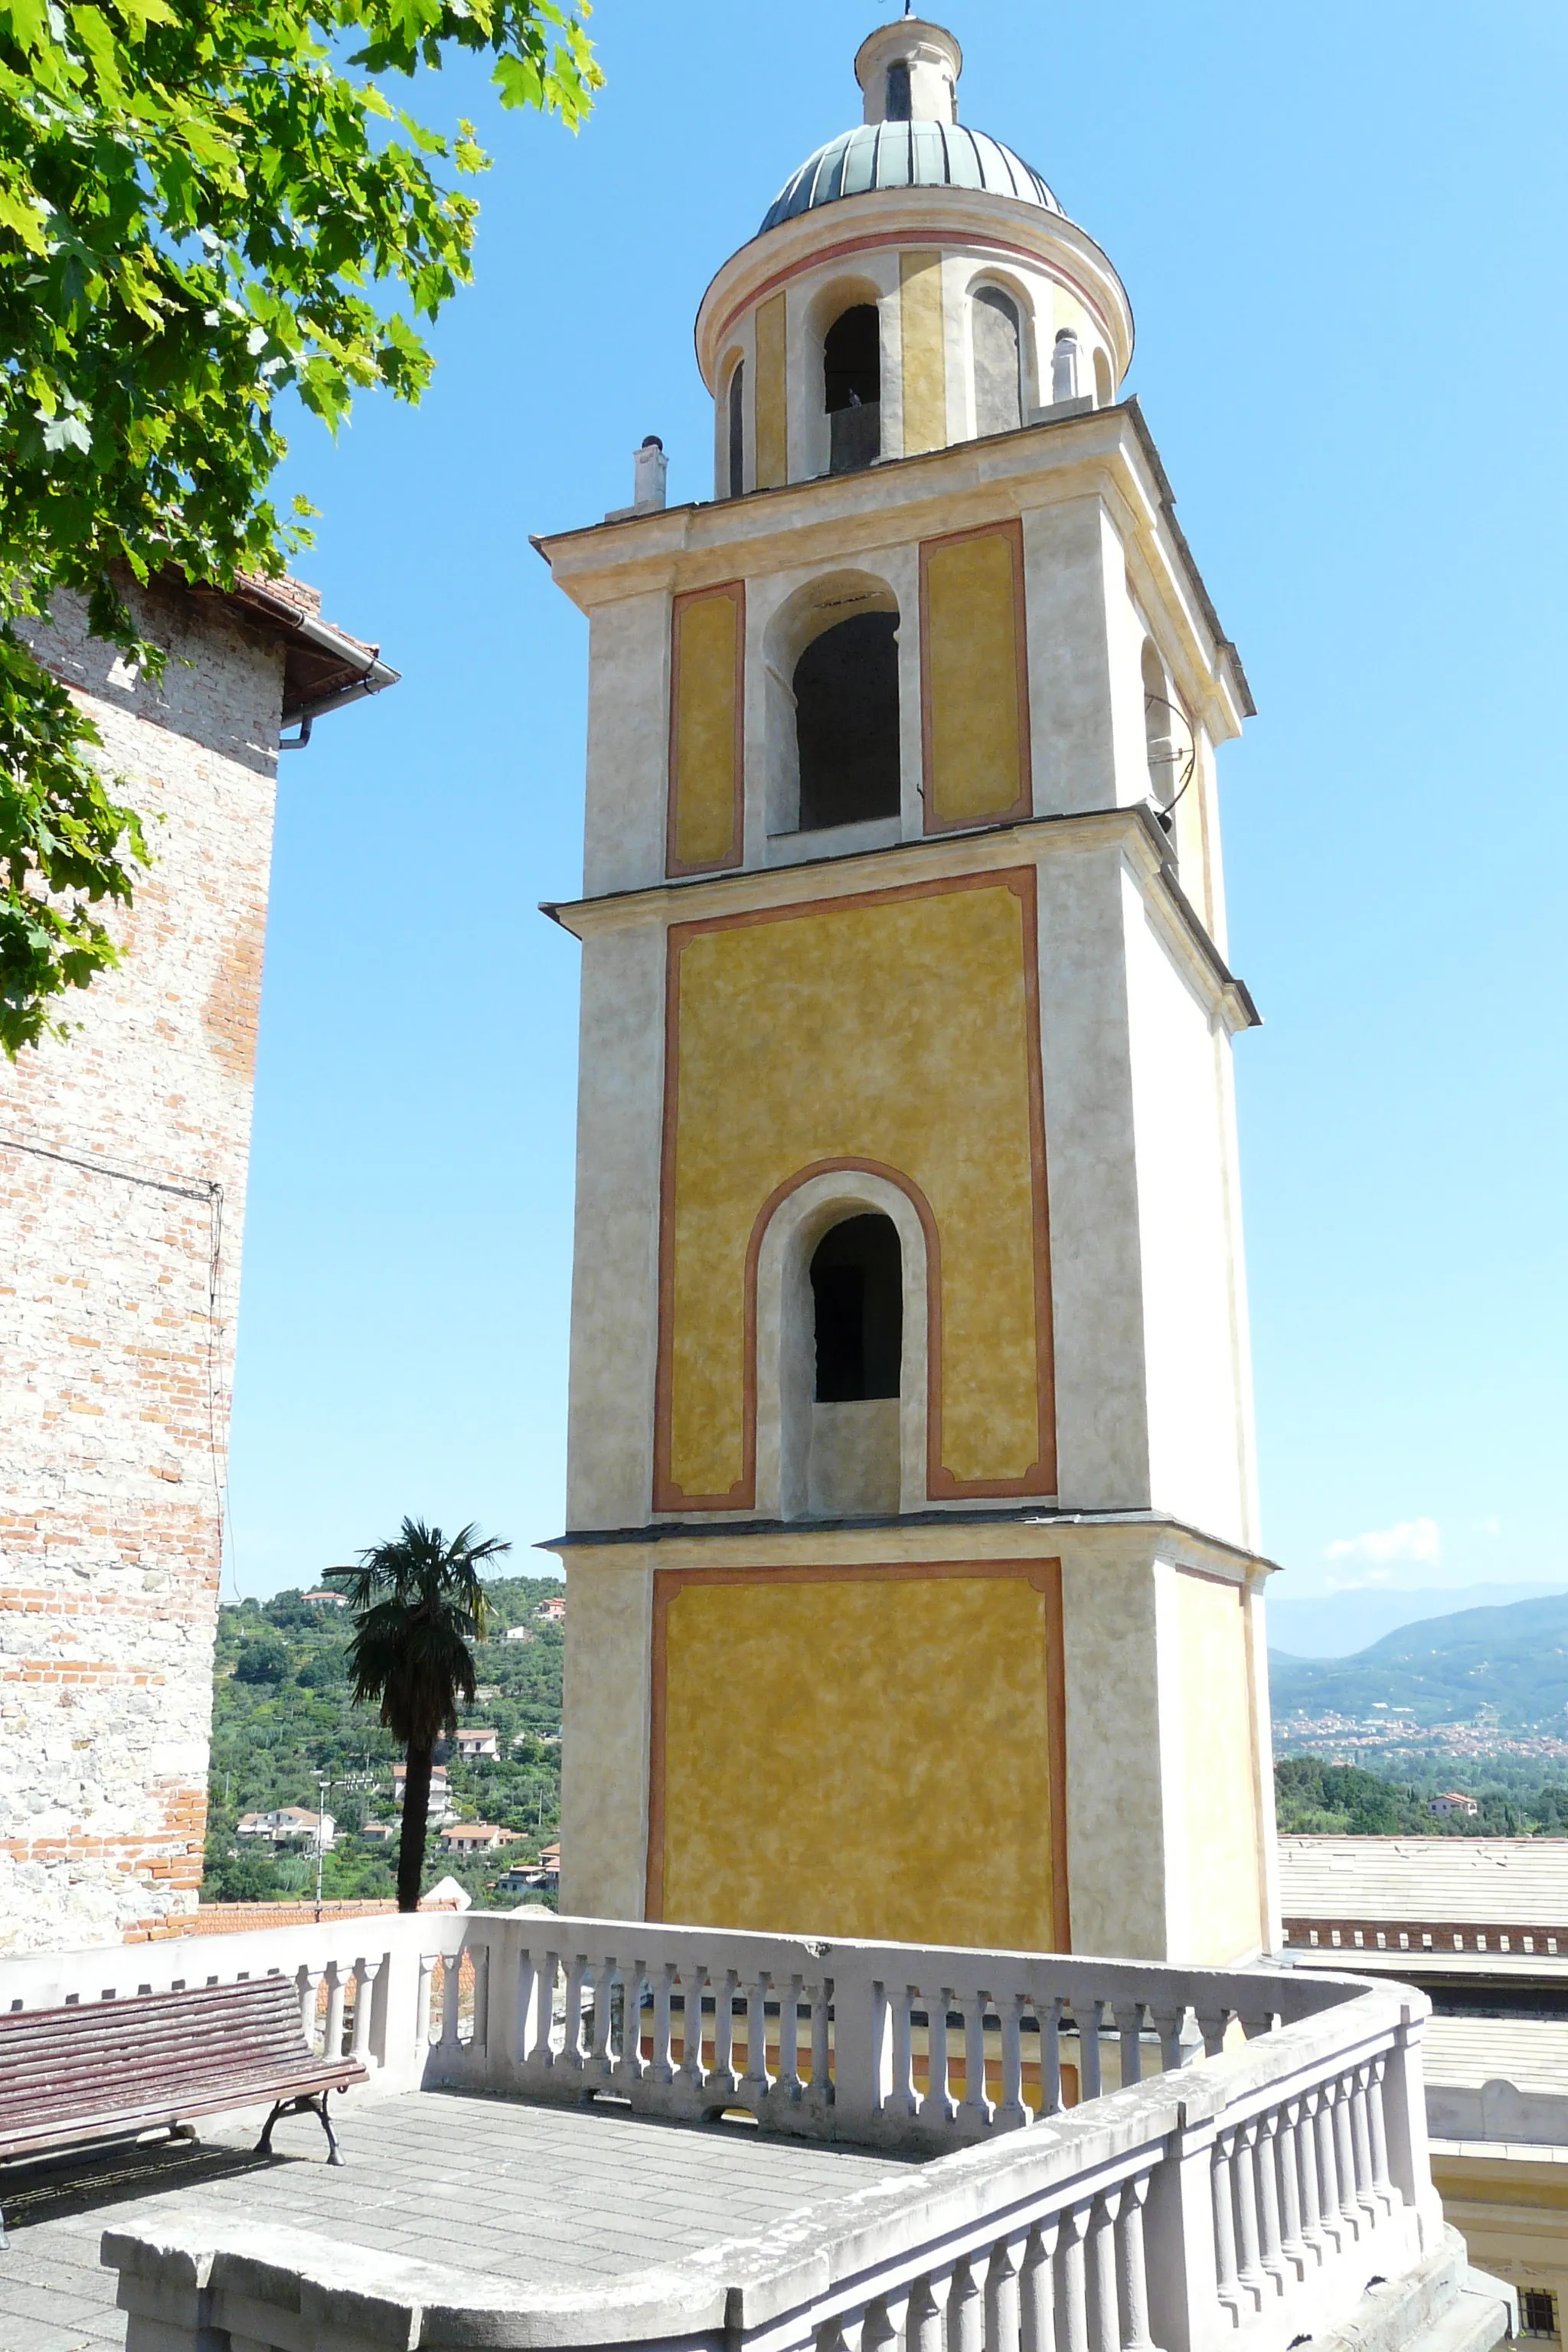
(843, 1267)
(857, 1278)
(831, 657)
(852, 388)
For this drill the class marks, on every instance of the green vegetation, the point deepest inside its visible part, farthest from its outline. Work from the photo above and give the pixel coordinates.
(206, 207)
(1314, 1798)
(1506, 1667)
(290, 1714)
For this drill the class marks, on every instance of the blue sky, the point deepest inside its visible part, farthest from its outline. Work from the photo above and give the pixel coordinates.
(1342, 231)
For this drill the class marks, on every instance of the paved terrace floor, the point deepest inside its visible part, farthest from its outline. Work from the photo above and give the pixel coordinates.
(559, 2195)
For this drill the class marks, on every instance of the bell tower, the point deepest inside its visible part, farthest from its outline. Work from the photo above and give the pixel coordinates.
(913, 1587)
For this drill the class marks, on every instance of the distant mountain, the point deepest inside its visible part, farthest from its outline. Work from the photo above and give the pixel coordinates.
(1513, 1662)
(1338, 1625)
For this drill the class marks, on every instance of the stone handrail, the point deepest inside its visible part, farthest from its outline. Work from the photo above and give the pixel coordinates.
(1250, 2194)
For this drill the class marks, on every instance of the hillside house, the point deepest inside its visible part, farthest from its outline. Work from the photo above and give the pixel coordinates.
(1454, 1802)
(289, 1825)
(553, 1610)
(475, 1837)
(478, 1743)
(441, 1806)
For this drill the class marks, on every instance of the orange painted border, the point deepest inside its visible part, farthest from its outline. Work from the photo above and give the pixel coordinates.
(1040, 1478)
(1022, 803)
(736, 592)
(1045, 1575)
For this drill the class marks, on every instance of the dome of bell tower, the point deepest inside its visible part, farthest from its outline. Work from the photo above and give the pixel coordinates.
(910, 137)
(914, 285)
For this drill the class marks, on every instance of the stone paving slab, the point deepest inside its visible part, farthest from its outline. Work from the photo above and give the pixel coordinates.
(561, 2195)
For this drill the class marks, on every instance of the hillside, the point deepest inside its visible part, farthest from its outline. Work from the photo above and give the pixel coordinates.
(1507, 1666)
(281, 1714)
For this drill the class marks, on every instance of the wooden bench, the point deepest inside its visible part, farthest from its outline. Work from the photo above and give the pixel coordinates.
(108, 2069)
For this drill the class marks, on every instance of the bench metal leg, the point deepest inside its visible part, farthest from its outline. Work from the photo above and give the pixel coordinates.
(315, 2105)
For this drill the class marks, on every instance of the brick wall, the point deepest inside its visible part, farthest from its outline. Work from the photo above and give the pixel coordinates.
(122, 1170)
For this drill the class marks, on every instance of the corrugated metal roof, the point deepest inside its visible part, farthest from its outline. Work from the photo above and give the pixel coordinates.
(1486, 1881)
(1464, 2053)
(908, 155)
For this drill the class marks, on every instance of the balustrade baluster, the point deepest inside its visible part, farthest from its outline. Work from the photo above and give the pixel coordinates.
(966, 2310)
(880, 2328)
(1332, 2218)
(724, 2027)
(1129, 2019)
(1072, 2307)
(1104, 2320)
(602, 1983)
(1011, 2111)
(1270, 2251)
(1367, 2197)
(789, 2039)
(977, 2107)
(1248, 2273)
(365, 1974)
(1132, 2267)
(926, 2326)
(939, 2105)
(901, 2099)
(756, 2079)
(1214, 2024)
(1224, 2170)
(479, 2030)
(821, 2023)
(571, 2049)
(1386, 2193)
(530, 2033)
(1312, 2238)
(1002, 2295)
(1050, 2057)
(629, 2065)
(451, 1966)
(426, 2000)
(337, 1994)
(306, 1982)
(693, 1976)
(661, 2062)
(1287, 2144)
(1088, 2027)
(1345, 2160)
(1168, 2024)
(1038, 2289)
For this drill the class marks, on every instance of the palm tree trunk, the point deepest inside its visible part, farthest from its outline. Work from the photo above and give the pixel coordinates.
(415, 1813)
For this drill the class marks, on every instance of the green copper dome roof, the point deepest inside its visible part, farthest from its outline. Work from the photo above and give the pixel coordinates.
(908, 155)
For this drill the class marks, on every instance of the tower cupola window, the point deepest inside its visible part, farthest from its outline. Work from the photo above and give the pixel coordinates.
(852, 388)
(899, 107)
(846, 722)
(737, 451)
(857, 1296)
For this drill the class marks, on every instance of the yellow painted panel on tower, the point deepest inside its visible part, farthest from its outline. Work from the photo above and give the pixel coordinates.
(706, 744)
(1217, 1708)
(898, 1029)
(924, 356)
(772, 407)
(973, 679)
(867, 1754)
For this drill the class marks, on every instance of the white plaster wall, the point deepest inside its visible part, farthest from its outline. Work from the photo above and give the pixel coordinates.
(1199, 1439)
(614, 1275)
(628, 745)
(604, 1735)
(1072, 734)
(1116, 1776)
(1096, 1289)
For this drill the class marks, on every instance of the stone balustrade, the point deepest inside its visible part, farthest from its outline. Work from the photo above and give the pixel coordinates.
(1120, 2155)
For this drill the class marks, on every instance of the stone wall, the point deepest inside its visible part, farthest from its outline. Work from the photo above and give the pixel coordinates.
(122, 1172)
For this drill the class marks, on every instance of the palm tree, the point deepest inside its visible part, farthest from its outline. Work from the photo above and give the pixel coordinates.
(417, 1603)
